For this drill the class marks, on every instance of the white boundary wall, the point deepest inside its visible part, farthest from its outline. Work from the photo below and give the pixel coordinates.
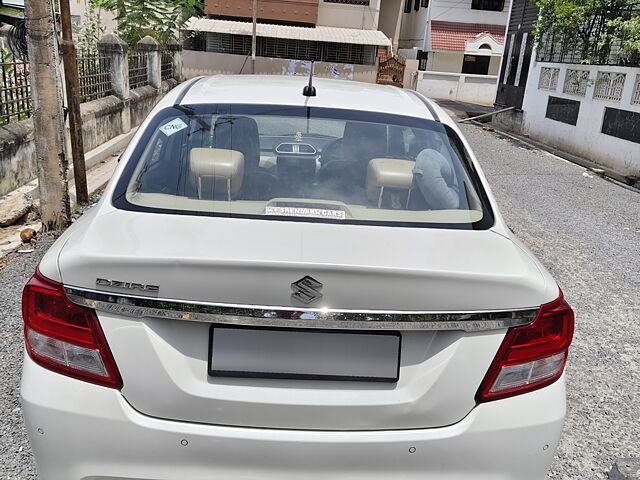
(462, 87)
(585, 139)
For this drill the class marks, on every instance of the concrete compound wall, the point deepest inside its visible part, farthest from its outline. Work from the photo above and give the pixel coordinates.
(461, 87)
(101, 121)
(196, 63)
(585, 139)
(452, 62)
(17, 155)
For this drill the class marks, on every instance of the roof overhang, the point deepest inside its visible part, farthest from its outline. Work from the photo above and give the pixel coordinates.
(469, 38)
(312, 34)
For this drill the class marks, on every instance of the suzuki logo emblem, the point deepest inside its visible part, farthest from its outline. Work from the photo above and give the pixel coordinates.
(306, 289)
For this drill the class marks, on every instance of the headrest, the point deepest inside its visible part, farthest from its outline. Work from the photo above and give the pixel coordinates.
(388, 173)
(217, 172)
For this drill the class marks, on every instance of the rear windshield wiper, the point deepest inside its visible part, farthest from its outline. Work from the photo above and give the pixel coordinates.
(191, 113)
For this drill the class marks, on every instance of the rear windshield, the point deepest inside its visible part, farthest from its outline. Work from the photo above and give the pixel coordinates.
(303, 164)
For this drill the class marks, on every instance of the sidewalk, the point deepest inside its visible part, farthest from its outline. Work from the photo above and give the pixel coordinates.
(104, 158)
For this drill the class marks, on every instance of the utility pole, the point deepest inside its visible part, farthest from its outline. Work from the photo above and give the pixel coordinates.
(48, 121)
(73, 101)
(253, 36)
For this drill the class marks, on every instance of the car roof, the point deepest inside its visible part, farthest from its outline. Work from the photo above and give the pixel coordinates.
(287, 90)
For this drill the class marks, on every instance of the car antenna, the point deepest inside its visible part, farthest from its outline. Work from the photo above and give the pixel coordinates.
(309, 90)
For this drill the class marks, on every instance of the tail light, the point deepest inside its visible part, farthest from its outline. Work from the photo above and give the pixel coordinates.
(530, 357)
(64, 337)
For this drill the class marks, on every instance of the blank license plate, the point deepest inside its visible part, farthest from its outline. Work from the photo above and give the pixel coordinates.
(304, 354)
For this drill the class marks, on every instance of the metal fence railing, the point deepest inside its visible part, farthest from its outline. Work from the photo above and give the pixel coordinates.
(95, 78)
(137, 69)
(597, 42)
(94, 72)
(166, 65)
(15, 92)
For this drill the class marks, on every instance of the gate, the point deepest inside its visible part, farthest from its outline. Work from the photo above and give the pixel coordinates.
(391, 72)
(517, 56)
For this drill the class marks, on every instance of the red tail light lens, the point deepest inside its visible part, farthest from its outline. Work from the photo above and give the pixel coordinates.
(530, 357)
(65, 337)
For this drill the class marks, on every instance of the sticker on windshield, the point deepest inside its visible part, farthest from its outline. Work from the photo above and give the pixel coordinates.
(305, 212)
(172, 127)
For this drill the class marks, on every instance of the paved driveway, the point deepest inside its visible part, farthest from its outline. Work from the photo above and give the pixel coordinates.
(587, 232)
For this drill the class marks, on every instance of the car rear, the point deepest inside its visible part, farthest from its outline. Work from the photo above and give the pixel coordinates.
(248, 309)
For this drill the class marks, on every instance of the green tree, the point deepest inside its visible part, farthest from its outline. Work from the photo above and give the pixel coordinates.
(590, 27)
(628, 30)
(92, 28)
(161, 19)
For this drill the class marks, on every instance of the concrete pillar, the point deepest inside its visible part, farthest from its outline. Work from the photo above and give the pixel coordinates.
(176, 50)
(112, 46)
(151, 48)
(390, 20)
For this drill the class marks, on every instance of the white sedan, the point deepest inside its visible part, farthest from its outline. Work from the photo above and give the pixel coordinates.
(283, 286)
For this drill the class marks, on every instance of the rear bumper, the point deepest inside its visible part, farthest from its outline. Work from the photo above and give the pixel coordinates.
(82, 431)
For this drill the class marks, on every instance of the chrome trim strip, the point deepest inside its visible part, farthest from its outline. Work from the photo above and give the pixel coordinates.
(257, 315)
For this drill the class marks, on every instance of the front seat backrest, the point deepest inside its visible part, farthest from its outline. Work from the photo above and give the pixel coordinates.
(363, 141)
(240, 134)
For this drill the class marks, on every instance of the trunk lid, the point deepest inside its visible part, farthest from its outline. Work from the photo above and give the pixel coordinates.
(164, 362)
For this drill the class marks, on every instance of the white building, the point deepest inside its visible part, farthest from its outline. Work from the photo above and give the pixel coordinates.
(456, 36)
(80, 10)
(462, 40)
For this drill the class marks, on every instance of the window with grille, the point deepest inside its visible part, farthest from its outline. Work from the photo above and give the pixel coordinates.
(494, 5)
(548, 78)
(293, 49)
(576, 82)
(422, 58)
(407, 6)
(609, 86)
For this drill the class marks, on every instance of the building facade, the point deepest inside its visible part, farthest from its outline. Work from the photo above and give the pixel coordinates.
(344, 37)
(455, 36)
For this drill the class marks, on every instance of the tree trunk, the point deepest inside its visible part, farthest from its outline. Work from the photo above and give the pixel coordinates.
(48, 121)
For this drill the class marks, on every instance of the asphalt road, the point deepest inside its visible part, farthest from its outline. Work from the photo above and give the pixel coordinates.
(585, 229)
